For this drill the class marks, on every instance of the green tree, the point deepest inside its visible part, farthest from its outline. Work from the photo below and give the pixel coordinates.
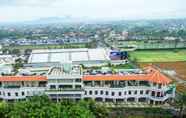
(43, 107)
(16, 52)
(27, 51)
(6, 51)
(180, 103)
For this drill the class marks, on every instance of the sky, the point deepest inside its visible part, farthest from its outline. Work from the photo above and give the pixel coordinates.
(23, 10)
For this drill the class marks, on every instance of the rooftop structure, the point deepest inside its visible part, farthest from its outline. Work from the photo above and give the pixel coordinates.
(6, 59)
(64, 81)
(151, 75)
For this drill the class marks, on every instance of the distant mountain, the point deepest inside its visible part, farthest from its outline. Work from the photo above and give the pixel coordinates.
(70, 19)
(65, 19)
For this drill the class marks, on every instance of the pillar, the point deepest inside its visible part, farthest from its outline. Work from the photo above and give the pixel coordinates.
(136, 100)
(148, 101)
(125, 99)
(103, 99)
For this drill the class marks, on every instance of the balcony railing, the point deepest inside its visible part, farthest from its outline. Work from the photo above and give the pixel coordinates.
(55, 90)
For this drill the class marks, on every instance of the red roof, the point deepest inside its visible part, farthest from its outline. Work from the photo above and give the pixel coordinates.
(153, 75)
(22, 78)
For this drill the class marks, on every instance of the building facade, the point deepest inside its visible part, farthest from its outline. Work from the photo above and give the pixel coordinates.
(20, 87)
(67, 81)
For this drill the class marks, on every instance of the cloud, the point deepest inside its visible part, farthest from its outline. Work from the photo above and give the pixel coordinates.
(17, 10)
(27, 3)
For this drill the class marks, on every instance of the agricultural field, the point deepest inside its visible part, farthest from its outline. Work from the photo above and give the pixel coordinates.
(158, 55)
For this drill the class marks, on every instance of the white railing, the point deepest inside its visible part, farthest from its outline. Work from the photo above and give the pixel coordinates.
(161, 98)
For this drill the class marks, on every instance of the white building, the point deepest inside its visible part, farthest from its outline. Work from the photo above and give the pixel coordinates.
(150, 86)
(20, 87)
(84, 56)
(67, 81)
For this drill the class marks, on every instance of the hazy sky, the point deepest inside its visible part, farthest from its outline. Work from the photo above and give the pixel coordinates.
(21, 10)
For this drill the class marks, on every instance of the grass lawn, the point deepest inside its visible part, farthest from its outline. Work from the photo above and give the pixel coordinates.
(158, 55)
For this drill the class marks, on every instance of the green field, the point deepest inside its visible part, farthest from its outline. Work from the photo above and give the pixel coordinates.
(151, 45)
(158, 55)
(23, 47)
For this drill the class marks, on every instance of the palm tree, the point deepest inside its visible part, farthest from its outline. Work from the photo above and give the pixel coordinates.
(180, 103)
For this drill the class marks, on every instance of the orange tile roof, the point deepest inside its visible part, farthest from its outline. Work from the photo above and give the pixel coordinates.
(153, 75)
(22, 78)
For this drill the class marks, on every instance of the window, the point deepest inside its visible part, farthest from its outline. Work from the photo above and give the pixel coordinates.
(159, 86)
(125, 93)
(107, 92)
(96, 92)
(78, 86)
(113, 93)
(0, 92)
(23, 93)
(90, 92)
(129, 92)
(101, 92)
(9, 94)
(52, 86)
(119, 93)
(16, 94)
(135, 92)
(78, 80)
(153, 93)
(141, 92)
(144, 83)
(147, 92)
(85, 92)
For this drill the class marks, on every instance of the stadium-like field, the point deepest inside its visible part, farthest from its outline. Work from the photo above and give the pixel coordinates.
(158, 55)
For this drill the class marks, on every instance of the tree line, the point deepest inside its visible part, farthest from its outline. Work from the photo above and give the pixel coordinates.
(43, 107)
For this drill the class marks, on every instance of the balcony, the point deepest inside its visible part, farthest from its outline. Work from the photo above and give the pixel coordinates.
(161, 98)
(12, 87)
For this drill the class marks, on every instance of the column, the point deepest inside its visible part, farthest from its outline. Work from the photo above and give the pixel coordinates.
(93, 84)
(136, 99)
(148, 101)
(126, 83)
(73, 84)
(125, 99)
(103, 99)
